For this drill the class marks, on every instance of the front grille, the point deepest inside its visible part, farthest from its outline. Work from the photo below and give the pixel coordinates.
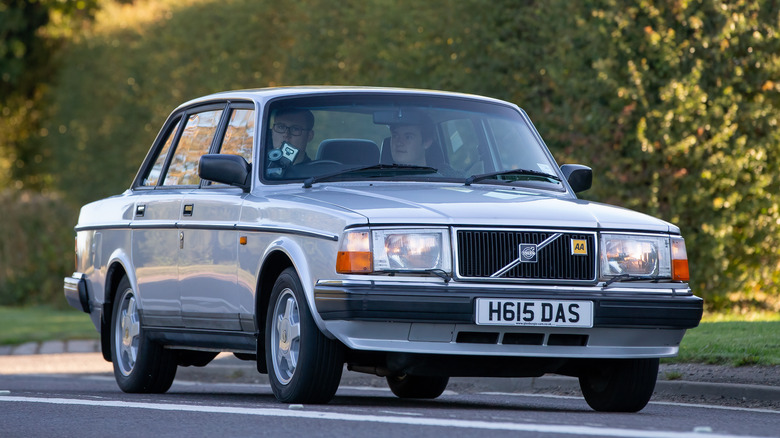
(482, 253)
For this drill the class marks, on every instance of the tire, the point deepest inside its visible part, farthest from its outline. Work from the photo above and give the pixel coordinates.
(407, 386)
(140, 365)
(304, 366)
(620, 385)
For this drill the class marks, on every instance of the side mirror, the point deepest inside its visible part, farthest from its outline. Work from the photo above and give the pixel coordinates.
(226, 169)
(580, 177)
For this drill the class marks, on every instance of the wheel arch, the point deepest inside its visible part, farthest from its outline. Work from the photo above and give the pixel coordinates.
(273, 265)
(282, 254)
(117, 269)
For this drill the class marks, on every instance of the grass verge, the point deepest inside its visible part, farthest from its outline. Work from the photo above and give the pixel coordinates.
(37, 324)
(734, 343)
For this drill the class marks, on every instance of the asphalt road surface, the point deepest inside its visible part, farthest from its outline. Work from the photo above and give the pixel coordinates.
(45, 401)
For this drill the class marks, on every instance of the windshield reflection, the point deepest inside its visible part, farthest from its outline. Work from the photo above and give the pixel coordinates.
(355, 137)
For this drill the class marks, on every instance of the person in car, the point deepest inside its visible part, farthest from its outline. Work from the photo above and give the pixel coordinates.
(295, 127)
(410, 142)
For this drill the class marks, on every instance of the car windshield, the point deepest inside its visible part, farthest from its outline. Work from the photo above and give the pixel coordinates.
(403, 137)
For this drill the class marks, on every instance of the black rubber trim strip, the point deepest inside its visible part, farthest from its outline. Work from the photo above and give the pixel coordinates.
(205, 226)
(445, 305)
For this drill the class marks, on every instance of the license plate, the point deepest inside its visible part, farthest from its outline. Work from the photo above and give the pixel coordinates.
(549, 313)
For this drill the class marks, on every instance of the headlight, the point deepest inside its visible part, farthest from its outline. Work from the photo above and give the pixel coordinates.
(634, 255)
(660, 257)
(405, 250)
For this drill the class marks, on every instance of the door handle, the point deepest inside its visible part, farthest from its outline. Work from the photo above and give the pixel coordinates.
(188, 209)
(140, 209)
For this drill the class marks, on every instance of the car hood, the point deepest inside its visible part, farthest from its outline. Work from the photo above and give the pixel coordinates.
(488, 205)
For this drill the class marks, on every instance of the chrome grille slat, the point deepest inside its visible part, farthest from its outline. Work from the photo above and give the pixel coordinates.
(484, 252)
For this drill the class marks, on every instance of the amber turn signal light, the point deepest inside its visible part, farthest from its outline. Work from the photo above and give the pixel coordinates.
(354, 256)
(353, 262)
(679, 260)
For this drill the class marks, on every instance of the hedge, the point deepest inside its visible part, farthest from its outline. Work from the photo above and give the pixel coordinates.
(674, 104)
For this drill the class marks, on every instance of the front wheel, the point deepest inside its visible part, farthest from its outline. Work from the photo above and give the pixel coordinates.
(424, 387)
(620, 385)
(140, 365)
(304, 366)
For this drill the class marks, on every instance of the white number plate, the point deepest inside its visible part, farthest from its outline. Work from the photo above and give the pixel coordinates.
(550, 313)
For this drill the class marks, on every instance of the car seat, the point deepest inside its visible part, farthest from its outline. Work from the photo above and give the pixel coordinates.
(349, 151)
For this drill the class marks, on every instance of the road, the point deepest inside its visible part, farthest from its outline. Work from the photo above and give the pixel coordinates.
(38, 401)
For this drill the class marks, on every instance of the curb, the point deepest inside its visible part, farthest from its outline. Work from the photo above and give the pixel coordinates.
(51, 347)
(719, 390)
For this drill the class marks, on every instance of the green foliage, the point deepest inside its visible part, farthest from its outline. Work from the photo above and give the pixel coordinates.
(36, 231)
(695, 83)
(22, 67)
(22, 51)
(36, 247)
(674, 104)
(28, 39)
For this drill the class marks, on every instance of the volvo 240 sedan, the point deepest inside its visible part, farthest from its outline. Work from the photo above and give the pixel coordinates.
(415, 235)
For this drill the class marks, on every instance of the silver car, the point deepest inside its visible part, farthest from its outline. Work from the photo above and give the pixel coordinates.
(415, 235)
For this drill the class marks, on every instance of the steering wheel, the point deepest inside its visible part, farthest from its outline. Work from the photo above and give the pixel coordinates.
(312, 168)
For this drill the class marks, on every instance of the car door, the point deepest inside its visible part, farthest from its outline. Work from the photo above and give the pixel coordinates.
(155, 236)
(208, 262)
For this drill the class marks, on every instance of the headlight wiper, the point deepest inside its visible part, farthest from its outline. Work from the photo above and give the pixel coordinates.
(307, 183)
(437, 272)
(528, 172)
(627, 277)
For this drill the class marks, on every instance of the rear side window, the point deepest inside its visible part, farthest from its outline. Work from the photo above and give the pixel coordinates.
(195, 141)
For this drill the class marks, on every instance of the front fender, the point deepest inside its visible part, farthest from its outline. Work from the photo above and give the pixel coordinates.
(294, 251)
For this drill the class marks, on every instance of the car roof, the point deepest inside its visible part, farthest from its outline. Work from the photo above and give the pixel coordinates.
(261, 95)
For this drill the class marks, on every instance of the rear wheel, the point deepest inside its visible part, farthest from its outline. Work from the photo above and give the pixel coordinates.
(620, 385)
(140, 365)
(304, 366)
(407, 386)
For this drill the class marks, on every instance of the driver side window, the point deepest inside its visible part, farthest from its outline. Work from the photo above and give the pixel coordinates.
(195, 141)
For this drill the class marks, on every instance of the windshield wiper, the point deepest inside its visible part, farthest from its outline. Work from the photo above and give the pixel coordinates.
(626, 277)
(307, 183)
(474, 178)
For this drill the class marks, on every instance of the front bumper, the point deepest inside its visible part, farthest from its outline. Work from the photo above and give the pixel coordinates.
(436, 304)
(431, 319)
(76, 293)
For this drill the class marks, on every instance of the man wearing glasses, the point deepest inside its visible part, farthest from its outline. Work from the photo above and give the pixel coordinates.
(291, 132)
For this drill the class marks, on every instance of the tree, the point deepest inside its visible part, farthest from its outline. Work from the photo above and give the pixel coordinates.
(28, 39)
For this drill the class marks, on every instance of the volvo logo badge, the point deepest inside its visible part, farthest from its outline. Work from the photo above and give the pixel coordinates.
(527, 253)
